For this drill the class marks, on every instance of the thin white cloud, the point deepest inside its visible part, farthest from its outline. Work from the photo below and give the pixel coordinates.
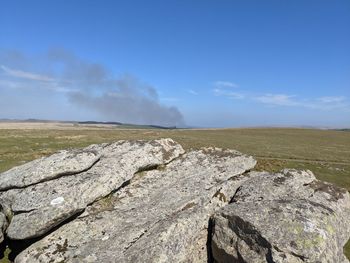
(225, 84)
(25, 75)
(331, 99)
(58, 88)
(223, 88)
(23, 85)
(277, 100)
(228, 94)
(191, 91)
(322, 103)
(19, 80)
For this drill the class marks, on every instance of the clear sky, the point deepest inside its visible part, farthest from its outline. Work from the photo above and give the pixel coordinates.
(197, 63)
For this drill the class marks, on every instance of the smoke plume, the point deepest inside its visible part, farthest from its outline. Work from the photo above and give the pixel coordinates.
(90, 86)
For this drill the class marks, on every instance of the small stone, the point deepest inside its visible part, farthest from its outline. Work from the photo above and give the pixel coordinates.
(57, 201)
(105, 238)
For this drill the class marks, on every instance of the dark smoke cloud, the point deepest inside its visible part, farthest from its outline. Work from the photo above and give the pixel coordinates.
(130, 108)
(92, 86)
(130, 101)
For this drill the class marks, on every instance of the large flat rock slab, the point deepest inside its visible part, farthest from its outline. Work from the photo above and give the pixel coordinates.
(38, 208)
(284, 217)
(47, 168)
(161, 216)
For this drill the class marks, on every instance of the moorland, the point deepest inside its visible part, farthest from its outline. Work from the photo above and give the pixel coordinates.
(325, 152)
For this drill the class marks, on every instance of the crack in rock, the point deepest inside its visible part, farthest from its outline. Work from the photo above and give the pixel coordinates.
(149, 201)
(54, 201)
(172, 204)
(274, 218)
(63, 163)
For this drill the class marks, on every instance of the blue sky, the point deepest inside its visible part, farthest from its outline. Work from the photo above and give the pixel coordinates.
(197, 63)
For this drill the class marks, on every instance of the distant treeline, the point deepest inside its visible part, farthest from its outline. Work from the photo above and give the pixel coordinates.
(101, 122)
(125, 124)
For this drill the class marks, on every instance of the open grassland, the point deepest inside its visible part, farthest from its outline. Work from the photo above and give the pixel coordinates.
(326, 153)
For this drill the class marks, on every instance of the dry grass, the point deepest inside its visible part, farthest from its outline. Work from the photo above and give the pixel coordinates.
(326, 153)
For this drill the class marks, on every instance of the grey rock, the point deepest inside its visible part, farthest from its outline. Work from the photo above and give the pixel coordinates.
(47, 168)
(39, 208)
(3, 225)
(161, 216)
(148, 201)
(284, 217)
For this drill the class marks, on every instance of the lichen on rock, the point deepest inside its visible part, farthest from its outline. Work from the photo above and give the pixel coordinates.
(150, 201)
(284, 217)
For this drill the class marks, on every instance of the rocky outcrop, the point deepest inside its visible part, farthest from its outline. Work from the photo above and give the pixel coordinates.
(38, 208)
(284, 217)
(160, 217)
(149, 201)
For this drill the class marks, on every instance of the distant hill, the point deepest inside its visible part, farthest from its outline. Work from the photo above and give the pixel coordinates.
(100, 122)
(92, 123)
(348, 130)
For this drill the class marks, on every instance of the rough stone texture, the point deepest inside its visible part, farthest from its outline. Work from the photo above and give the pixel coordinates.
(44, 169)
(162, 216)
(285, 217)
(38, 208)
(148, 201)
(3, 225)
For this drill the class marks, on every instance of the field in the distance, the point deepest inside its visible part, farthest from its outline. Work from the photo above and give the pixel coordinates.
(325, 152)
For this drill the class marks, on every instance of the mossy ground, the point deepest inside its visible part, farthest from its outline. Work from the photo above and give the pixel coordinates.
(326, 153)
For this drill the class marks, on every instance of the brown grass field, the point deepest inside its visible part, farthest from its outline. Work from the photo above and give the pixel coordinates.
(325, 152)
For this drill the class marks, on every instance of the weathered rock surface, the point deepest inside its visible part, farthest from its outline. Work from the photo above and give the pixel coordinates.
(162, 216)
(284, 217)
(38, 208)
(149, 201)
(44, 169)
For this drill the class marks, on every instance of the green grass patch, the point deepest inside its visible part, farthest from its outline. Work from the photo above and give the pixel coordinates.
(325, 153)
